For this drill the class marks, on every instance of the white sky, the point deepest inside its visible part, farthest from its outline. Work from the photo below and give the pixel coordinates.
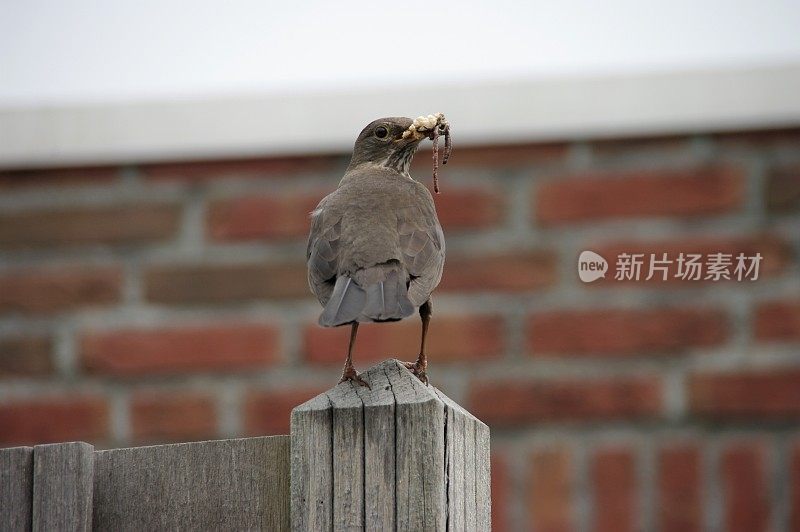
(81, 51)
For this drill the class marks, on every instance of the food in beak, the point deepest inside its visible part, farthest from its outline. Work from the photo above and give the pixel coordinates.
(432, 126)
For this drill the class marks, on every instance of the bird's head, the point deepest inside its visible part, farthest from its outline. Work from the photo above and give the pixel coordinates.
(392, 141)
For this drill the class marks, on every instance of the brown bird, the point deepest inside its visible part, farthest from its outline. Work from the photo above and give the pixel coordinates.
(376, 248)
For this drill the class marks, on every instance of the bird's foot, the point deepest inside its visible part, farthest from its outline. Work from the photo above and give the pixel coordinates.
(350, 374)
(418, 368)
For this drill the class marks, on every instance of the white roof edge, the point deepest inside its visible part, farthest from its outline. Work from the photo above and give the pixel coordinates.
(500, 112)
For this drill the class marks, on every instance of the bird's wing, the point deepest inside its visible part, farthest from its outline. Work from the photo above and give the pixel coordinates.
(422, 246)
(322, 252)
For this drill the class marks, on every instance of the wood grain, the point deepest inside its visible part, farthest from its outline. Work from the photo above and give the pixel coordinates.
(397, 456)
(468, 468)
(16, 488)
(312, 465)
(62, 487)
(348, 457)
(379, 451)
(240, 484)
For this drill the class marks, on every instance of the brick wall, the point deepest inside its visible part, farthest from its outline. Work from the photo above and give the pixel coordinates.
(168, 302)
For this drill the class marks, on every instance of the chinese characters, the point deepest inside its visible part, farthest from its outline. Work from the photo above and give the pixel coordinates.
(688, 267)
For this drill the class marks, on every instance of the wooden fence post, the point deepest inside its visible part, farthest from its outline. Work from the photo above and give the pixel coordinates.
(398, 456)
(62, 486)
(16, 488)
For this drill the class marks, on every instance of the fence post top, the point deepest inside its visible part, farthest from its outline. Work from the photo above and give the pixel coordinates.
(391, 384)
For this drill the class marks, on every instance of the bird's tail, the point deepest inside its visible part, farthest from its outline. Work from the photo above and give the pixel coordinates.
(378, 293)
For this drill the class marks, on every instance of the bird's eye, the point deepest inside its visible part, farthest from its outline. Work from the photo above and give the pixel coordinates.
(381, 132)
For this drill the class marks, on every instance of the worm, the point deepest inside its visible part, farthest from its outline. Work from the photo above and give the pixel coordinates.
(448, 145)
(448, 148)
(436, 159)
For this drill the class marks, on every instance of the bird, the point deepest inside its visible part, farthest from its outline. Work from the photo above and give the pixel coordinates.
(376, 249)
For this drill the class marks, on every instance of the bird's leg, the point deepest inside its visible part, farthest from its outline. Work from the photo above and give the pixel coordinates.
(419, 367)
(349, 373)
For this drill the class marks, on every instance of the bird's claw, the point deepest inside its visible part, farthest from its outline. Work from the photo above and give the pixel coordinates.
(418, 369)
(350, 374)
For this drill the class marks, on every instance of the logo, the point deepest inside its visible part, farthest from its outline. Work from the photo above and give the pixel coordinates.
(591, 266)
(665, 266)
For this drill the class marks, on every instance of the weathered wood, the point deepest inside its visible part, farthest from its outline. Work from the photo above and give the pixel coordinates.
(379, 452)
(238, 484)
(468, 468)
(348, 457)
(16, 488)
(454, 458)
(62, 486)
(312, 465)
(421, 488)
(398, 456)
(483, 476)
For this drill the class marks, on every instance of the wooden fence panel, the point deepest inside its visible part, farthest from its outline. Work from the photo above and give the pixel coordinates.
(240, 484)
(62, 487)
(16, 489)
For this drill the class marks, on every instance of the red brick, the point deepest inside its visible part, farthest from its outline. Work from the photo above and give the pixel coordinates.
(25, 356)
(680, 489)
(496, 157)
(794, 488)
(624, 332)
(173, 416)
(783, 190)
(783, 138)
(764, 395)
(614, 490)
(776, 255)
(450, 339)
(511, 403)
(53, 419)
(745, 488)
(187, 349)
(509, 272)
(57, 177)
(281, 216)
(267, 412)
(552, 490)
(187, 284)
(53, 290)
(243, 168)
(470, 208)
(778, 321)
(277, 216)
(501, 492)
(624, 147)
(645, 193)
(119, 224)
